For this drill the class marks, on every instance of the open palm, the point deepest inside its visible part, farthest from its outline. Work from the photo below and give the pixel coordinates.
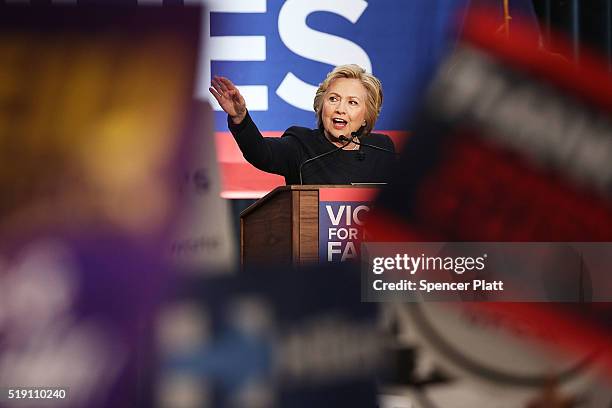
(229, 98)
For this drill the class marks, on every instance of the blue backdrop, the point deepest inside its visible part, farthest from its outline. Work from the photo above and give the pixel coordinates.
(402, 40)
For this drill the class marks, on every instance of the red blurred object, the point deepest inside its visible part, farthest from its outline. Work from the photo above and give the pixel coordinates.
(458, 183)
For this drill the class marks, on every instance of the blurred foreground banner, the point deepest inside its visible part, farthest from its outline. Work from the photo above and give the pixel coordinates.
(513, 144)
(274, 338)
(96, 117)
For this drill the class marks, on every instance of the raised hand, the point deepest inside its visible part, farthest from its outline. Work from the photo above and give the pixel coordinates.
(228, 96)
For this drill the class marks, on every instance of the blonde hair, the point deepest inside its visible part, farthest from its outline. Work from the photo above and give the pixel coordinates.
(372, 85)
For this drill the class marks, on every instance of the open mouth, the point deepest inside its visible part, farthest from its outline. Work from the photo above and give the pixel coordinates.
(339, 123)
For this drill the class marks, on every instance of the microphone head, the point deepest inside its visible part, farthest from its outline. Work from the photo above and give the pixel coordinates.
(358, 132)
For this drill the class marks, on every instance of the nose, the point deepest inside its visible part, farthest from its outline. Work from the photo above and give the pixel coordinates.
(341, 107)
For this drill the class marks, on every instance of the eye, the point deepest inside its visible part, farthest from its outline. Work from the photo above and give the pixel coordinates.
(354, 103)
(333, 99)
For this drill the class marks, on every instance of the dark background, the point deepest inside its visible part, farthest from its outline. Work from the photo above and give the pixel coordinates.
(588, 23)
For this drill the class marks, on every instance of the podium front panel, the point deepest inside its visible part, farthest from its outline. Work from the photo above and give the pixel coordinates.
(266, 234)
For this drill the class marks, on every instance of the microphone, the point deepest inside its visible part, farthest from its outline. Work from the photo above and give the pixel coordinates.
(325, 154)
(359, 131)
(370, 146)
(360, 154)
(357, 134)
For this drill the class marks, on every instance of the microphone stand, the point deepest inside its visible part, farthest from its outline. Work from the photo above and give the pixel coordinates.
(342, 137)
(367, 145)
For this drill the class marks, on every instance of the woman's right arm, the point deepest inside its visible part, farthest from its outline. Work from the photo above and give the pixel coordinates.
(274, 155)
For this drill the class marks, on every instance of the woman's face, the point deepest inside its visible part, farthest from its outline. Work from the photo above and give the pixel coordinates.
(344, 108)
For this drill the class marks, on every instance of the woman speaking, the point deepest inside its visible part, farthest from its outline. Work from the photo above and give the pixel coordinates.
(342, 150)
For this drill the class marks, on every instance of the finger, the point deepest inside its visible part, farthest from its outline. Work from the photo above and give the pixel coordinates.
(216, 94)
(222, 84)
(219, 87)
(227, 83)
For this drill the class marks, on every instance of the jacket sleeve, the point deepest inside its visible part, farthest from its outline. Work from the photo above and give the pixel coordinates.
(276, 155)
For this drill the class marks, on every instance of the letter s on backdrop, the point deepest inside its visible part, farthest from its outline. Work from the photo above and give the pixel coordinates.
(316, 45)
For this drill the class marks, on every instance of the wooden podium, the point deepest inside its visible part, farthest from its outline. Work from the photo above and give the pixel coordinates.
(282, 228)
